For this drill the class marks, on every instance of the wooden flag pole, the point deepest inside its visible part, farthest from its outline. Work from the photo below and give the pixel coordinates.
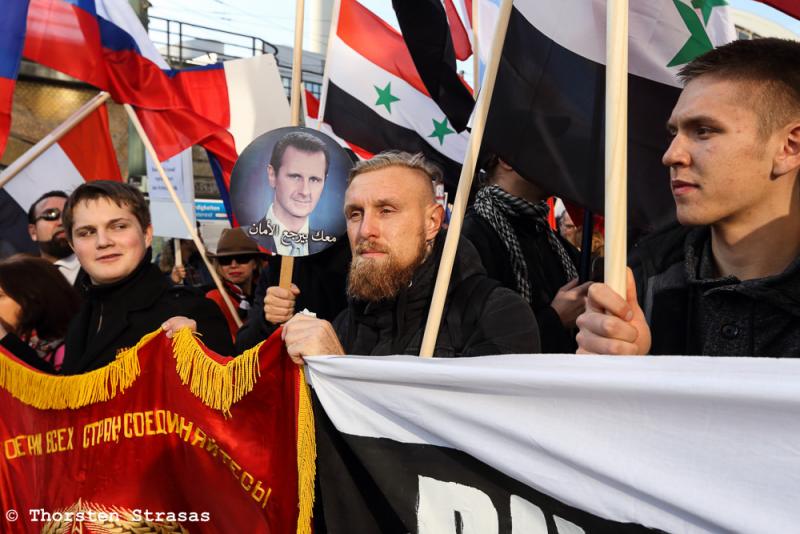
(464, 185)
(178, 256)
(323, 98)
(616, 165)
(476, 58)
(287, 262)
(189, 226)
(48, 140)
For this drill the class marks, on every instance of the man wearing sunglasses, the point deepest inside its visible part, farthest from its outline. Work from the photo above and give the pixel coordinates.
(46, 229)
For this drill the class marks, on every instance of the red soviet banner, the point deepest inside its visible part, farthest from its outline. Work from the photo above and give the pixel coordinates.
(170, 437)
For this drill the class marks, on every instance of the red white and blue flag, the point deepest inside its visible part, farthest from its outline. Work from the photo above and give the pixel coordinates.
(12, 38)
(85, 153)
(103, 43)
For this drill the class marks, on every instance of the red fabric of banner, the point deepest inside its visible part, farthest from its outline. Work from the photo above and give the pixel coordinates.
(155, 449)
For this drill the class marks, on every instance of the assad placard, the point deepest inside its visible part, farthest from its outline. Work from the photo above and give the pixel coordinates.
(287, 189)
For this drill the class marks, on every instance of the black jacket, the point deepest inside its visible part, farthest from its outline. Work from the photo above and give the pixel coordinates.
(322, 279)
(545, 273)
(116, 316)
(692, 312)
(480, 317)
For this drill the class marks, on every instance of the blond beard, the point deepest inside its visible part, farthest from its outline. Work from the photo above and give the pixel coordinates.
(370, 280)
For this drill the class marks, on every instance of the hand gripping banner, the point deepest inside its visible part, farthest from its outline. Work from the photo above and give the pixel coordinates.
(170, 437)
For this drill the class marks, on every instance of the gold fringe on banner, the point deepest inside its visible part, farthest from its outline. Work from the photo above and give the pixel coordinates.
(53, 392)
(217, 385)
(306, 456)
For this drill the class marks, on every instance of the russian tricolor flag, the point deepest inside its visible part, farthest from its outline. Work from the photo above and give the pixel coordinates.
(83, 154)
(220, 107)
(12, 38)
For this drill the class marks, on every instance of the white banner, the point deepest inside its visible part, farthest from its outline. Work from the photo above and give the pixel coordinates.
(681, 444)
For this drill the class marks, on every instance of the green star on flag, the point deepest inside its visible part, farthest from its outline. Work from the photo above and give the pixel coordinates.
(385, 97)
(706, 6)
(698, 43)
(440, 130)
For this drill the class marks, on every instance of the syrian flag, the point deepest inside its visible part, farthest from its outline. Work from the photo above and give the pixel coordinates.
(547, 111)
(374, 98)
(311, 105)
(546, 116)
(83, 154)
(559, 444)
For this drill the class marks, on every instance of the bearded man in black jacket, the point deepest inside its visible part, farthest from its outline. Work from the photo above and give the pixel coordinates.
(108, 225)
(393, 225)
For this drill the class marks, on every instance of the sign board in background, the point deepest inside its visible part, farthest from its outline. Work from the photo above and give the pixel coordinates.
(212, 219)
(167, 221)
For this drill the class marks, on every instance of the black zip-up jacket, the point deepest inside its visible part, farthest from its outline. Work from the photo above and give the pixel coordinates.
(692, 312)
(545, 272)
(116, 316)
(480, 317)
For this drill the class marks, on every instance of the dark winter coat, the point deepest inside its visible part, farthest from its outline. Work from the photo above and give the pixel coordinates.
(322, 279)
(545, 273)
(116, 316)
(691, 311)
(480, 317)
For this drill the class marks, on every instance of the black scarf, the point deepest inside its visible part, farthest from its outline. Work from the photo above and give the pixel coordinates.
(104, 306)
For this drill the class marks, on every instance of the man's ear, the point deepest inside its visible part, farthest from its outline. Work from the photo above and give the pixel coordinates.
(505, 166)
(271, 176)
(148, 235)
(787, 159)
(434, 217)
(32, 232)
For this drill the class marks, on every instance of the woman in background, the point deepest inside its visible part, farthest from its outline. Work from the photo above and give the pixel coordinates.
(238, 262)
(36, 306)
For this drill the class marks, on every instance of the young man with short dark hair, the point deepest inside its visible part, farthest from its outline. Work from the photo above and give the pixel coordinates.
(108, 225)
(729, 283)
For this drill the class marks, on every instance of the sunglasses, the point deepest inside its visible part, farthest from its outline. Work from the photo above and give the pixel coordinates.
(50, 214)
(240, 259)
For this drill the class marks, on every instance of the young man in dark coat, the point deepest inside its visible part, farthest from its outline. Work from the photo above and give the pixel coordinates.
(508, 225)
(730, 284)
(108, 226)
(393, 224)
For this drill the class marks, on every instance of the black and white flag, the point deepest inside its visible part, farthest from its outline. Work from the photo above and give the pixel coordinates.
(558, 444)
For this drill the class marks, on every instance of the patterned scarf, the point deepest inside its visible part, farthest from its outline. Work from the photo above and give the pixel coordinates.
(497, 206)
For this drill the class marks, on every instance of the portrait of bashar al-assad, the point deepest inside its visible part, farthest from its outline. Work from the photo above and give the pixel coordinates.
(297, 173)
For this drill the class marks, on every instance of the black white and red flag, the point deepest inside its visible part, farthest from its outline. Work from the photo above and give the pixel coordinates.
(374, 98)
(557, 444)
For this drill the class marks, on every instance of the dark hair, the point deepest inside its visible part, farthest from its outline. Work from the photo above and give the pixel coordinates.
(124, 195)
(302, 141)
(49, 194)
(771, 65)
(47, 301)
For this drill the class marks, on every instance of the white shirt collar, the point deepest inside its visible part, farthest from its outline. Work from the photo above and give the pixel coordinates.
(69, 267)
(280, 248)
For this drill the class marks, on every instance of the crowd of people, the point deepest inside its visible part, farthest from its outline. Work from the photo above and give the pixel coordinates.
(723, 280)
